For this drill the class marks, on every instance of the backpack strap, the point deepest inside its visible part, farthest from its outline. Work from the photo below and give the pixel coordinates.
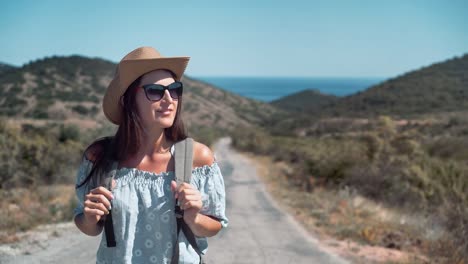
(183, 160)
(109, 224)
(183, 173)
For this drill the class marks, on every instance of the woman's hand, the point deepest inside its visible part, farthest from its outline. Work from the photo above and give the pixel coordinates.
(97, 204)
(190, 200)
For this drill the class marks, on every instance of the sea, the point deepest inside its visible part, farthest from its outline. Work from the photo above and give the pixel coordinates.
(268, 89)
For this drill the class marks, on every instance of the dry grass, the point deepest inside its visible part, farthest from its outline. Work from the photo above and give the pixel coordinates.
(353, 225)
(23, 209)
(82, 123)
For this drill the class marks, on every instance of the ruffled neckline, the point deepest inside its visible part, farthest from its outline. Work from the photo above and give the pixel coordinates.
(203, 170)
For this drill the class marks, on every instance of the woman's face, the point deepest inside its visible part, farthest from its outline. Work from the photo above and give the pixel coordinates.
(162, 112)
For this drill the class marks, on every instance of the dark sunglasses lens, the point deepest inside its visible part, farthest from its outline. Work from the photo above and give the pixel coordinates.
(154, 92)
(175, 90)
(175, 85)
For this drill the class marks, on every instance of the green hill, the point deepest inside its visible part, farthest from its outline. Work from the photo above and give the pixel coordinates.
(71, 88)
(441, 87)
(54, 88)
(307, 101)
(435, 89)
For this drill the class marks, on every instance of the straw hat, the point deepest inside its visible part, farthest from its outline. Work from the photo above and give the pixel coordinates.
(133, 65)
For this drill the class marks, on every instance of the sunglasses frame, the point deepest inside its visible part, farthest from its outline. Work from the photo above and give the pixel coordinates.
(147, 86)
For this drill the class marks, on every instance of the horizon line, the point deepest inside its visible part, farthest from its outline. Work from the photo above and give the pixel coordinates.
(287, 76)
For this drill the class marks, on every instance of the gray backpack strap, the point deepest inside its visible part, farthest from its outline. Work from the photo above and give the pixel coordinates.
(183, 160)
(107, 181)
(183, 173)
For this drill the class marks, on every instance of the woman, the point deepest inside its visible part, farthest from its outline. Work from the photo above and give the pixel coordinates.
(144, 99)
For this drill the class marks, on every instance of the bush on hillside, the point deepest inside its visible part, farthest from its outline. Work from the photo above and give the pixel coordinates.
(33, 156)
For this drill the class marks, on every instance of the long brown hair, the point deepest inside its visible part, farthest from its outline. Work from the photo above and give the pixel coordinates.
(127, 139)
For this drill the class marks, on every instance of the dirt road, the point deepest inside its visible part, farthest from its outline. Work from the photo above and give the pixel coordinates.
(258, 232)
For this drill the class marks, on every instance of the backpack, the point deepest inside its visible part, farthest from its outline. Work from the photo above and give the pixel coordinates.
(183, 173)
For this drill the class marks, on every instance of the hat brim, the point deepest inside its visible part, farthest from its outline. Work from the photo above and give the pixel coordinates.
(128, 71)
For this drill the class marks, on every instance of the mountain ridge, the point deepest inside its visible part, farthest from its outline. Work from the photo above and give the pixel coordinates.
(439, 87)
(71, 88)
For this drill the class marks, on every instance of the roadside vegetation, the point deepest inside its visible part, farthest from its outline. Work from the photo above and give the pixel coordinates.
(38, 169)
(343, 169)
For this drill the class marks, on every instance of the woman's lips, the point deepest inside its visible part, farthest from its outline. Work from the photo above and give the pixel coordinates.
(164, 112)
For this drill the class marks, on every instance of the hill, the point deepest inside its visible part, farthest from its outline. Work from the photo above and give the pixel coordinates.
(307, 101)
(71, 88)
(55, 88)
(441, 87)
(5, 67)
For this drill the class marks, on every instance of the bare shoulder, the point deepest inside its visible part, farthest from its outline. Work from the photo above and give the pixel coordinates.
(202, 155)
(94, 150)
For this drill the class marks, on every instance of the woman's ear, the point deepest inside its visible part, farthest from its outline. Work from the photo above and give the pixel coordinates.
(122, 101)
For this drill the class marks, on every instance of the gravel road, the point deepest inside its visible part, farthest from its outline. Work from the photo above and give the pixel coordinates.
(258, 232)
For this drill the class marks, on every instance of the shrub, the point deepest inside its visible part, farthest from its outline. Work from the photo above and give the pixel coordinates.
(205, 135)
(69, 132)
(34, 156)
(80, 109)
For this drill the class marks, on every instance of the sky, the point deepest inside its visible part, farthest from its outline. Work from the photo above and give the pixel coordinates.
(244, 37)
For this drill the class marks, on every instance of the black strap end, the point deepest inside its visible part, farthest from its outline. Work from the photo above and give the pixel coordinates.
(109, 229)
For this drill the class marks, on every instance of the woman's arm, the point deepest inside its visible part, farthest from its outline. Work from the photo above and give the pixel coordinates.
(203, 225)
(88, 228)
(96, 203)
(191, 201)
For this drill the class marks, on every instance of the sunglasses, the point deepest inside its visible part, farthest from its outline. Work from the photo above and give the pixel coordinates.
(155, 92)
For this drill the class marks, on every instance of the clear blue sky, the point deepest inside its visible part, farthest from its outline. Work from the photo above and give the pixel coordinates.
(245, 37)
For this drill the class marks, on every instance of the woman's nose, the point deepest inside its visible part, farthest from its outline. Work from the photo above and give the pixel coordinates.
(167, 96)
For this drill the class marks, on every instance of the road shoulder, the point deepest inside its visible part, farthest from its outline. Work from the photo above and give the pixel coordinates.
(314, 223)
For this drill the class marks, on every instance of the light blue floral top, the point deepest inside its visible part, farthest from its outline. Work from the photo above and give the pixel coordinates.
(143, 214)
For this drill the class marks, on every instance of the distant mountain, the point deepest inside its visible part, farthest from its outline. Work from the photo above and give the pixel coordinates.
(441, 87)
(307, 101)
(71, 88)
(5, 67)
